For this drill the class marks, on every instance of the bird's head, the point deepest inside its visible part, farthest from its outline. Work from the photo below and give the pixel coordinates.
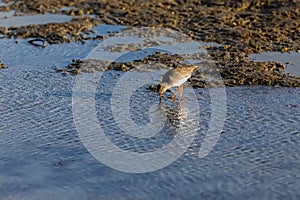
(161, 88)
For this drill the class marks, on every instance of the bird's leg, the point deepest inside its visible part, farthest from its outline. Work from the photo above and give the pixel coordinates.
(160, 97)
(181, 88)
(173, 96)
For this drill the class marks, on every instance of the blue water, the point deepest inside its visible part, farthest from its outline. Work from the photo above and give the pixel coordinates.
(7, 19)
(42, 157)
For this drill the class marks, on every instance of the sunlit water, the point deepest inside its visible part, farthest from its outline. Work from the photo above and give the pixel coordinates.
(7, 19)
(42, 156)
(291, 60)
(3, 4)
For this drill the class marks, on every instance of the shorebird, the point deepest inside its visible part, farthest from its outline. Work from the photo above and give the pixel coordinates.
(175, 78)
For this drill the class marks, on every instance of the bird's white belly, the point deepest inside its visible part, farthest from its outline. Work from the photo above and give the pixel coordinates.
(181, 81)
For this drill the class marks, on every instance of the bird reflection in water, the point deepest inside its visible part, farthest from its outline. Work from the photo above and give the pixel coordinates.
(176, 115)
(180, 122)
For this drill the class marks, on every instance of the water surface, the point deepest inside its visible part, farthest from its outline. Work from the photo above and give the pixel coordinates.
(42, 156)
(291, 60)
(7, 19)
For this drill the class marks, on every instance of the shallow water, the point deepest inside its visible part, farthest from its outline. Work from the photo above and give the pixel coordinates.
(3, 4)
(291, 60)
(43, 157)
(7, 19)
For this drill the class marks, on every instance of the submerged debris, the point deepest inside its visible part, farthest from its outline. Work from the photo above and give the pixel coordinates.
(37, 42)
(2, 66)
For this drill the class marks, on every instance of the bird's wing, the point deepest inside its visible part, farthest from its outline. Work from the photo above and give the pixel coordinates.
(186, 71)
(171, 76)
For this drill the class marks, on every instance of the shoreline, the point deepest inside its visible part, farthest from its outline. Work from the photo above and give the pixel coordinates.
(242, 29)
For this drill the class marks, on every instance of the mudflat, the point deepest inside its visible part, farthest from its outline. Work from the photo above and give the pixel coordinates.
(241, 27)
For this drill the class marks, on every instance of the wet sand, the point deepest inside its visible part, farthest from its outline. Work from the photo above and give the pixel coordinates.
(242, 28)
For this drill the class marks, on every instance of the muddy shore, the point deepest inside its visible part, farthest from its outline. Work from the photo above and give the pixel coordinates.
(241, 27)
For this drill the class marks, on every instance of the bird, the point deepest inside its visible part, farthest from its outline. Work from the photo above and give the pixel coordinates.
(175, 78)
